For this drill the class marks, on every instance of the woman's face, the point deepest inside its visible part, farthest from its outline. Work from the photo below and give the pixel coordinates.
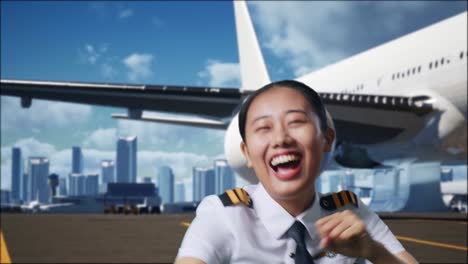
(284, 143)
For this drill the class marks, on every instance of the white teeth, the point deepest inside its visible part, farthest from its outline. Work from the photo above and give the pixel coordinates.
(283, 159)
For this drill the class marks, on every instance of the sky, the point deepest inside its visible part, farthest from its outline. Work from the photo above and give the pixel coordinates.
(172, 43)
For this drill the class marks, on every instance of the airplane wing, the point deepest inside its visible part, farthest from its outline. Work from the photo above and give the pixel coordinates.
(386, 117)
(214, 107)
(214, 103)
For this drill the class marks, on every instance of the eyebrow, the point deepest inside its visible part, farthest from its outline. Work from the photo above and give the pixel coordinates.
(287, 112)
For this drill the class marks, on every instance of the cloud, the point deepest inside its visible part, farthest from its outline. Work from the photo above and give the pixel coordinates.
(41, 115)
(221, 74)
(139, 66)
(90, 54)
(332, 31)
(108, 71)
(98, 58)
(174, 137)
(103, 138)
(125, 13)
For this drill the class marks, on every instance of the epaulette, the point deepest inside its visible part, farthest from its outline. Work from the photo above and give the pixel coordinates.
(235, 197)
(335, 201)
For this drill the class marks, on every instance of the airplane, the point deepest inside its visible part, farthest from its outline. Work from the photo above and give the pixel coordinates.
(401, 102)
(32, 207)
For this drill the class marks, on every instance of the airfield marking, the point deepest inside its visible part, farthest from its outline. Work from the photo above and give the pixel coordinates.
(4, 256)
(186, 224)
(436, 244)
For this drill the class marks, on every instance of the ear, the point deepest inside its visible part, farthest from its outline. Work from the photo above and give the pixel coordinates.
(329, 136)
(245, 151)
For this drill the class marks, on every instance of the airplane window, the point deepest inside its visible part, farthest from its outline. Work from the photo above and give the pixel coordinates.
(393, 76)
(408, 72)
(461, 55)
(419, 68)
(403, 75)
(414, 70)
(430, 65)
(442, 61)
(398, 75)
(435, 64)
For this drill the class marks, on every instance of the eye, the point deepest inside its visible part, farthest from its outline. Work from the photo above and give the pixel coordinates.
(262, 129)
(296, 122)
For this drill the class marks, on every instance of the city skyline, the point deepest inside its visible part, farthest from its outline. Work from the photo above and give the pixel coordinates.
(380, 185)
(221, 177)
(100, 54)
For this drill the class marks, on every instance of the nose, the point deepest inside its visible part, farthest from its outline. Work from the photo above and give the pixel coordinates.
(281, 137)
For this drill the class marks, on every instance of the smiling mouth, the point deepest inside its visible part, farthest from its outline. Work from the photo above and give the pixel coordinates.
(286, 161)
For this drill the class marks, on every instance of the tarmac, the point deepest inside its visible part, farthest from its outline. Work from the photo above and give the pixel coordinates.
(101, 238)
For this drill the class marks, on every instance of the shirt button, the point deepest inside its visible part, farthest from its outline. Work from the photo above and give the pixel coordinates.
(292, 255)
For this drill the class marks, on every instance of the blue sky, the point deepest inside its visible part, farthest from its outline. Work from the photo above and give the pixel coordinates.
(187, 43)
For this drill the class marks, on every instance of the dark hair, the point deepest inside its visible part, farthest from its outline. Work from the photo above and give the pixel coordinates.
(309, 94)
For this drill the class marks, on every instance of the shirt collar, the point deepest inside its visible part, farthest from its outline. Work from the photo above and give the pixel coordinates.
(276, 219)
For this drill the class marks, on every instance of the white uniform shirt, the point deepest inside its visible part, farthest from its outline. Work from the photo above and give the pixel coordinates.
(239, 234)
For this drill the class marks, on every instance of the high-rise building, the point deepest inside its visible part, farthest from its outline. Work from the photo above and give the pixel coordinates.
(25, 192)
(446, 174)
(38, 170)
(92, 184)
(334, 182)
(147, 180)
(224, 176)
(166, 184)
(126, 160)
(77, 160)
(179, 192)
(107, 171)
(348, 181)
(5, 196)
(196, 187)
(77, 184)
(53, 182)
(203, 182)
(62, 187)
(329, 181)
(318, 184)
(16, 174)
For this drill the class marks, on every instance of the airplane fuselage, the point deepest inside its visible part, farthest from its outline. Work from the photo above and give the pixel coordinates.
(430, 62)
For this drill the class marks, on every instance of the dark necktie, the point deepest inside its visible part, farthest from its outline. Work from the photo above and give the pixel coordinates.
(297, 232)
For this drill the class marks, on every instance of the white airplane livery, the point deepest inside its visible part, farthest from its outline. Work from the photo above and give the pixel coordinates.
(403, 101)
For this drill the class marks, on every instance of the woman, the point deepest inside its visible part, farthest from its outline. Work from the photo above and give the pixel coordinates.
(283, 219)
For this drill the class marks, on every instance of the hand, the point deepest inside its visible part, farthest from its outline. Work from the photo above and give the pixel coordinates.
(346, 234)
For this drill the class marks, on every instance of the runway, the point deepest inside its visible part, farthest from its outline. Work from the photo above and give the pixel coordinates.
(55, 238)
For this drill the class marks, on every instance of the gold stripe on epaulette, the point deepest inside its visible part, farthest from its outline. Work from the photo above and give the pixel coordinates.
(336, 200)
(344, 197)
(242, 195)
(233, 197)
(351, 194)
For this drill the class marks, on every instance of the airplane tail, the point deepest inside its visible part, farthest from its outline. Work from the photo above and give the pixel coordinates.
(254, 73)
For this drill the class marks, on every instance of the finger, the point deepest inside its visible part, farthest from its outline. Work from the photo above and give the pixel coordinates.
(327, 244)
(324, 242)
(325, 229)
(327, 218)
(354, 231)
(337, 230)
